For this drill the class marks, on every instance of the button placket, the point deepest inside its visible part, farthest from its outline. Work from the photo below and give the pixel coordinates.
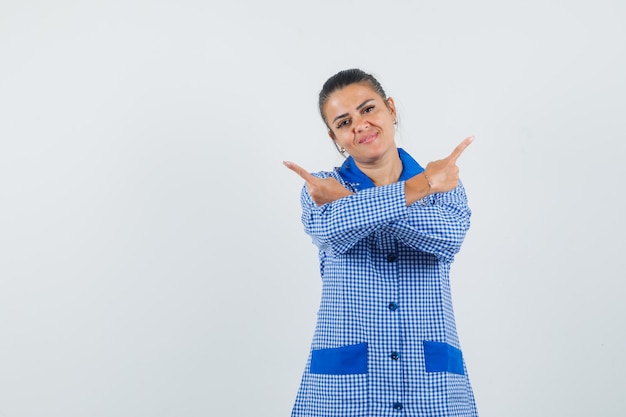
(390, 264)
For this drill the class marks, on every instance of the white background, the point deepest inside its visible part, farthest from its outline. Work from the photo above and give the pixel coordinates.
(152, 259)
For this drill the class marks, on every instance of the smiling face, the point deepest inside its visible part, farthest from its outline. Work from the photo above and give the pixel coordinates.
(361, 122)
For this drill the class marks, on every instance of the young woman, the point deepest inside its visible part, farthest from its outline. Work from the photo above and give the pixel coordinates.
(387, 230)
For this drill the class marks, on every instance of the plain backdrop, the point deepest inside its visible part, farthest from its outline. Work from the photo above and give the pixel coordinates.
(152, 258)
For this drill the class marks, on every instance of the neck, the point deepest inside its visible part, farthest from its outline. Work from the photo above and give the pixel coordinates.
(383, 171)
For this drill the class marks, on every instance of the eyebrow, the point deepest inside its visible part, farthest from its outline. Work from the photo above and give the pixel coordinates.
(359, 107)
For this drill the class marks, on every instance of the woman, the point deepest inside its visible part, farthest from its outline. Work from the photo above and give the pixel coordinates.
(387, 230)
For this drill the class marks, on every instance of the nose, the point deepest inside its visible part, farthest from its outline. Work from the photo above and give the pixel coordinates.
(360, 124)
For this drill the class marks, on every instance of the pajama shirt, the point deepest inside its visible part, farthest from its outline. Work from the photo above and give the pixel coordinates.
(385, 343)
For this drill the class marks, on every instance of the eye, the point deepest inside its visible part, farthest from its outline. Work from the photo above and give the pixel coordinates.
(368, 109)
(343, 123)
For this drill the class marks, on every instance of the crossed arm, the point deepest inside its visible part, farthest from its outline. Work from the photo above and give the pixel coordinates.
(336, 223)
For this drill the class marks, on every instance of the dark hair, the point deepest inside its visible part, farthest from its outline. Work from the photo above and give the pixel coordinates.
(343, 79)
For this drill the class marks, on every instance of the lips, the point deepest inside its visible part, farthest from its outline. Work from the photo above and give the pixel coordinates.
(368, 139)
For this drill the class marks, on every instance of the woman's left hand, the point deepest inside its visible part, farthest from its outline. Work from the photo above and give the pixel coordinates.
(322, 190)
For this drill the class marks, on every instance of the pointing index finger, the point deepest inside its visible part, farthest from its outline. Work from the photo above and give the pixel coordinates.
(303, 173)
(461, 147)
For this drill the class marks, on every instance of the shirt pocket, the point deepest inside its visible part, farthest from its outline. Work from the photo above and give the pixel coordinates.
(442, 357)
(344, 360)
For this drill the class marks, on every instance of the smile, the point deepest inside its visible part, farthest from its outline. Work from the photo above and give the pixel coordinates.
(368, 139)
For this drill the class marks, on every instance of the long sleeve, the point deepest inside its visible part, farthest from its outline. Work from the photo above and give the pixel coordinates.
(436, 224)
(335, 227)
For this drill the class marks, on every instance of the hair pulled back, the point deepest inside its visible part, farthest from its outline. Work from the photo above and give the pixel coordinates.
(343, 79)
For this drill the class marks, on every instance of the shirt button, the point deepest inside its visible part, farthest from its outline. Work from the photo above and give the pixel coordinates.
(393, 306)
(397, 406)
(395, 356)
(392, 257)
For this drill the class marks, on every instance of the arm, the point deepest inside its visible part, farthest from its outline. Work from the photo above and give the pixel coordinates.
(337, 218)
(437, 224)
(337, 226)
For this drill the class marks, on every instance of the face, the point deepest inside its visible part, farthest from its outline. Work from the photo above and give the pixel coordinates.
(361, 122)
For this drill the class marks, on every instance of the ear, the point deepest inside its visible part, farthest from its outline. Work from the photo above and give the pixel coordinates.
(391, 105)
(331, 135)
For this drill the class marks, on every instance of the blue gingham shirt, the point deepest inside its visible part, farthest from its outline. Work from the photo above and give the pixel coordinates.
(385, 343)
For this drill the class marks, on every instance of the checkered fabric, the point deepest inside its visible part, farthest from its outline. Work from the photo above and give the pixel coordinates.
(385, 296)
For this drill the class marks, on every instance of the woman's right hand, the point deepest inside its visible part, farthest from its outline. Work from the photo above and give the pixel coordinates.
(321, 190)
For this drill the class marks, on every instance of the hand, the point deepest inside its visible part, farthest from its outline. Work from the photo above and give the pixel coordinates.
(322, 190)
(443, 174)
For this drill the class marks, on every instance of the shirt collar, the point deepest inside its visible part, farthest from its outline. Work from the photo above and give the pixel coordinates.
(353, 175)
